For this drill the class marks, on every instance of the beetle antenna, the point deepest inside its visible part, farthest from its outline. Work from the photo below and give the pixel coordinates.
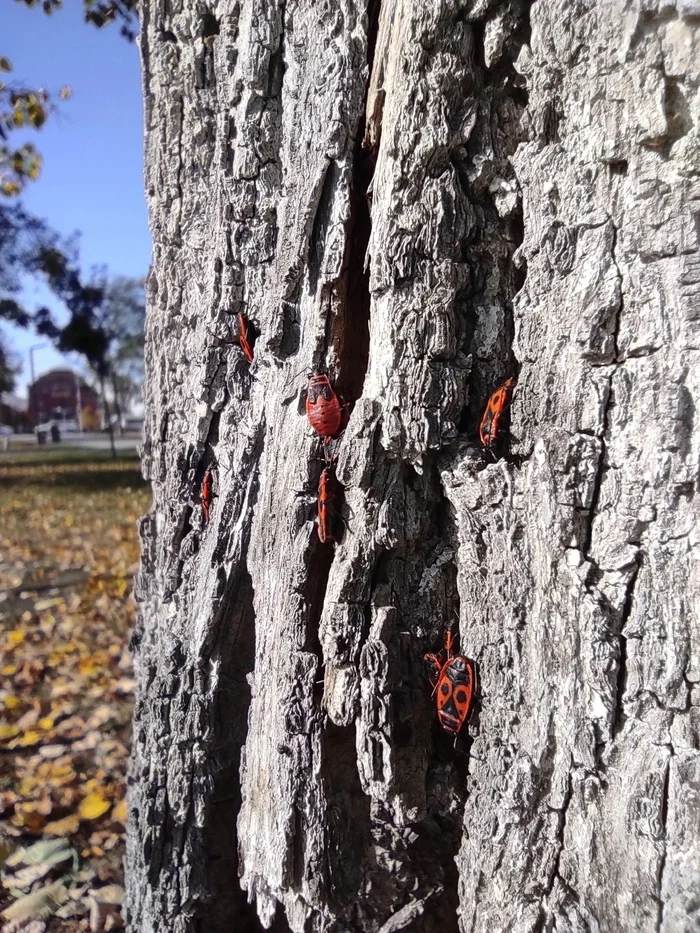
(301, 372)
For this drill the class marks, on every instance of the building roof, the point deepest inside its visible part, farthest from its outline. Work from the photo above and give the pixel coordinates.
(61, 371)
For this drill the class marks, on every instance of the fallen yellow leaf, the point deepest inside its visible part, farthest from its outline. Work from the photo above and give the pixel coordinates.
(87, 667)
(27, 786)
(29, 738)
(8, 670)
(7, 731)
(93, 806)
(16, 637)
(56, 772)
(119, 812)
(46, 723)
(65, 827)
(12, 701)
(32, 816)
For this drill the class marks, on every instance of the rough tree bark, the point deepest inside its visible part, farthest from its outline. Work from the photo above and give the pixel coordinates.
(526, 202)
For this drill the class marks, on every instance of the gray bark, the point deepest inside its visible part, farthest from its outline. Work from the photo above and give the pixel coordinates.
(527, 203)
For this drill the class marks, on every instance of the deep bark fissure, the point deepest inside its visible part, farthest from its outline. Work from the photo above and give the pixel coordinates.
(498, 234)
(350, 336)
(601, 468)
(232, 651)
(662, 861)
(602, 464)
(618, 716)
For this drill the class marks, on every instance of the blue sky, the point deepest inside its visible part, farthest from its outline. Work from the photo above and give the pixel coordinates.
(92, 179)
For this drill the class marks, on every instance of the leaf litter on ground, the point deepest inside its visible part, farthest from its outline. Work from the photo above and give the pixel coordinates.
(68, 554)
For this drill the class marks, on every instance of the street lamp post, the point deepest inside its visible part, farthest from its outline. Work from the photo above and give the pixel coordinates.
(37, 346)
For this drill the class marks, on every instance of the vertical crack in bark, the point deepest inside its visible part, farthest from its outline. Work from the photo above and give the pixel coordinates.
(662, 861)
(601, 466)
(178, 176)
(430, 861)
(350, 329)
(491, 187)
(597, 484)
(618, 713)
(232, 655)
(561, 829)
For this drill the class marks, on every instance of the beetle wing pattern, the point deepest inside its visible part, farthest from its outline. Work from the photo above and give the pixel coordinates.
(492, 419)
(455, 693)
(453, 679)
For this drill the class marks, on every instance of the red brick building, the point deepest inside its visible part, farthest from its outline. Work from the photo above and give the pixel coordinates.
(58, 394)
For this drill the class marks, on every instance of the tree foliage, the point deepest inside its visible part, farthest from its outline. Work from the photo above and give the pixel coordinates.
(84, 332)
(24, 107)
(123, 316)
(23, 237)
(20, 107)
(27, 244)
(98, 12)
(9, 367)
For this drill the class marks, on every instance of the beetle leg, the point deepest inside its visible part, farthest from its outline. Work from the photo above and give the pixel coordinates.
(434, 668)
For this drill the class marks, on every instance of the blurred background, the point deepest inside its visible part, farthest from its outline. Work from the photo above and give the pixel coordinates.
(74, 244)
(74, 252)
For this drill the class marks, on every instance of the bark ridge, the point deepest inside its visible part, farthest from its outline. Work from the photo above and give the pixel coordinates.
(420, 199)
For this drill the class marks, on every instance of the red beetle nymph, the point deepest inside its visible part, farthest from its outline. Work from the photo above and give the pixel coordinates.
(323, 408)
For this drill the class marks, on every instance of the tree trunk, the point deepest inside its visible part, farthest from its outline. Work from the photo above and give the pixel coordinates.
(525, 205)
(117, 404)
(107, 414)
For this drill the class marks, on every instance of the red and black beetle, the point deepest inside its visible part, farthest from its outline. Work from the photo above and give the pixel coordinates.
(453, 678)
(494, 415)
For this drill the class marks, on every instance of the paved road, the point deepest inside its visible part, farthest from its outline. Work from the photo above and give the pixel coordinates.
(87, 441)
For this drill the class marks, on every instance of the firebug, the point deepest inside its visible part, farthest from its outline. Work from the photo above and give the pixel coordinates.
(453, 678)
(323, 407)
(493, 418)
(245, 337)
(207, 494)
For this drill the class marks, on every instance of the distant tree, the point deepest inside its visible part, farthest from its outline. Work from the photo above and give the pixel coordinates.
(22, 236)
(22, 239)
(84, 333)
(123, 314)
(27, 244)
(9, 366)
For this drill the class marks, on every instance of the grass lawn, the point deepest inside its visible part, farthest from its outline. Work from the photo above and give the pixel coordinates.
(68, 553)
